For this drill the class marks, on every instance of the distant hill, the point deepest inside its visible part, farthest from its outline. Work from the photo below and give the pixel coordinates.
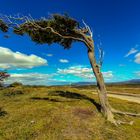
(83, 83)
(133, 81)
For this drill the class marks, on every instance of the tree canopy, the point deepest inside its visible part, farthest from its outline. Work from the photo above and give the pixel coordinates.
(3, 26)
(60, 29)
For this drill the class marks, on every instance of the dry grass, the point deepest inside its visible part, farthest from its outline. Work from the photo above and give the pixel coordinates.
(130, 88)
(60, 113)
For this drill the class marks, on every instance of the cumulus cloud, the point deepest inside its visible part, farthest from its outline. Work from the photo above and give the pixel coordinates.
(63, 60)
(131, 51)
(137, 58)
(35, 79)
(30, 78)
(83, 72)
(77, 71)
(10, 59)
(56, 78)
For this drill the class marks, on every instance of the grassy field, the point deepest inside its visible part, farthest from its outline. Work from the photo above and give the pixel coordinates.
(61, 113)
(131, 88)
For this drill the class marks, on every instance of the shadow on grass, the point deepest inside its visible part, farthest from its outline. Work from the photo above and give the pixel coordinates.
(45, 98)
(69, 95)
(72, 95)
(50, 99)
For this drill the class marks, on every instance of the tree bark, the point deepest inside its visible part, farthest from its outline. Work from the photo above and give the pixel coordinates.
(102, 92)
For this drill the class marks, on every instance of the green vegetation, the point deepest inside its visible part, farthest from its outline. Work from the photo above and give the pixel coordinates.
(61, 113)
(15, 84)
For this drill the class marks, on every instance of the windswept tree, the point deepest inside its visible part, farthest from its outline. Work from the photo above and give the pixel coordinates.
(3, 75)
(63, 30)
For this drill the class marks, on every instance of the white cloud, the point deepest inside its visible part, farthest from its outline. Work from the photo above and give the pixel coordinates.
(131, 51)
(34, 79)
(83, 72)
(56, 78)
(30, 78)
(108, 74)
(137, 58)
(10, 59)
(63, 60)
(49, 55)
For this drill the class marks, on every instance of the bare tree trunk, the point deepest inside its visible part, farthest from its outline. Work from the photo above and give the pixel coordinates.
(105, 106)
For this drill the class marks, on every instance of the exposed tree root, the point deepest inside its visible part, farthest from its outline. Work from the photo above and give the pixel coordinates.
(118, 122)
(123, 122)
(125, 113)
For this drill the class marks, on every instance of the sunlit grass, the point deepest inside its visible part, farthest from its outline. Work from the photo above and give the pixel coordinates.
(61, 113)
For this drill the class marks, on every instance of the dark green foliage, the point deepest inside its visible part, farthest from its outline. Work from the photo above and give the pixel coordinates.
(3, 26)
(40, 33)
(61, 24)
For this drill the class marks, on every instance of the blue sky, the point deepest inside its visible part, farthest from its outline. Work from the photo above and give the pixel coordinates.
(116, 28)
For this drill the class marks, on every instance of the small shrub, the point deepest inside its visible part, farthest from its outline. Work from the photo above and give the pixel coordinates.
(13, 92)
(2, 112)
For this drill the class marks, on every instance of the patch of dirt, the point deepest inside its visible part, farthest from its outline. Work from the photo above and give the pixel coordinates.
(83, 113)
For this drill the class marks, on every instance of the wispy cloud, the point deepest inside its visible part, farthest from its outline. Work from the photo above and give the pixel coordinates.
(137, 73)
(137, 58)
(10, 59)
(131, 51)
(49, 55)
(63, 60)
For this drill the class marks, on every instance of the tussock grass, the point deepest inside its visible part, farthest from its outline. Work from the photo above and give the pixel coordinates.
(61, 113)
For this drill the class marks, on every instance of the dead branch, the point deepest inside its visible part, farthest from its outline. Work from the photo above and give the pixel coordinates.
(101, 56)
(88, 28)
(125, 113)
(124, 122)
